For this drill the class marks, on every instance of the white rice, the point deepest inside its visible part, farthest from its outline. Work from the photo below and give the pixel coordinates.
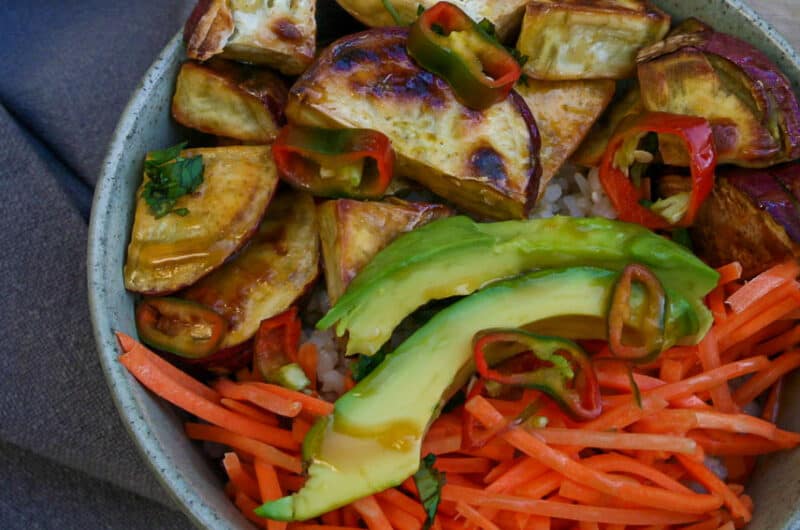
(574, 194)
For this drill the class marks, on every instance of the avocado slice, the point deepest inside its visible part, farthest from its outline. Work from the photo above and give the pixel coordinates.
(457, 256)
(372, 440)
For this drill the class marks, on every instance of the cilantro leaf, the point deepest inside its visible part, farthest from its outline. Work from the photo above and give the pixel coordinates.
(429, 482)
(170, 177)
(366, 364)
(487, 27)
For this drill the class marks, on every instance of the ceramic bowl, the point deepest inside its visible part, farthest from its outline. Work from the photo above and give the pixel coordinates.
(156, 427)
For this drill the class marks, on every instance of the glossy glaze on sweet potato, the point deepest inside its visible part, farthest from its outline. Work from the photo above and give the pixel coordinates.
(231, 100)
(485, 162)
(353, 232)
(265, 278)
(172, 252)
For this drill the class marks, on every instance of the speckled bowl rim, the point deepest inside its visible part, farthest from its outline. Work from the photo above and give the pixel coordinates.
(170, 477)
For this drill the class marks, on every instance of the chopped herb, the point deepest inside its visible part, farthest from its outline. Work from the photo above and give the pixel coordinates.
(366, 364)
(169, 177)
(429, 482)
(387, 4)
(420, 9)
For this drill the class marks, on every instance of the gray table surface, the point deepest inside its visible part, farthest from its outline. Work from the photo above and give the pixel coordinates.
(66, 71)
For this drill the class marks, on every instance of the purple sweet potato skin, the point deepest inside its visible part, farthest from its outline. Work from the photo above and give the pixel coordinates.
(789, 177)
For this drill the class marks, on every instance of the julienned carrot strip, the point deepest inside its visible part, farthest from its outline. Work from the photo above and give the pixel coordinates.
(247, 506)
(760, 315)
(762, 285)
(617, 463)
(331, 518)
(543, 523)
(300, 428)
(615, 440)
(561, 510)
(140, 365)
(251, 412)
(265, 400)
(708, 479)
(290, 482)
(541, 487)
(671, 370)
(501, 469)
(240, 478)
(269, 489)
(308, 359)
(729, 273)
(398, 518)
(782, 342)
(712, 523)
(304, 526)
(128, 343)
(394, 496)
(615, 377)
(463, 465)
(211, 433)
(727, 526)
(496, 449)
(761, 381)
(716, 303)
(722, 443)
(708, 351)
(773, 403)
(474, 517)
(582, 494)
(371, 512)
(626, 414)
(558, 461)
(442, 445)
(315, 406)
(525, 471)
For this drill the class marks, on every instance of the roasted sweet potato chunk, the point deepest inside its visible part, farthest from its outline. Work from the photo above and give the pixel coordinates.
(275, 269)
(229, 99)
(278, 33)
(352, 232)
(504, 14)
(748, 101)
(588, 39)
(484, 161)
(564, 112)
(168, 253)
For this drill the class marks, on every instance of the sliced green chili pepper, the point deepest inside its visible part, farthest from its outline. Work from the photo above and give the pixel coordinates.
(559, 368)
(178, 326)
(652, 318)
(447, 42)
(356, 163)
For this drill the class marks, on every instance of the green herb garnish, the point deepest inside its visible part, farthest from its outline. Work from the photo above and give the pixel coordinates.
(488, 29)
(170, 177)
(429, 482)
(387, 4)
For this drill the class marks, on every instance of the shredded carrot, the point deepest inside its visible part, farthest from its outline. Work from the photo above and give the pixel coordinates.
(247, 506)
(464, 465)
(708, 351)
(708, 479)
(716, 303)
(398, 518)
(615, 440)
(141, 366)
(308, 359)
(265, 400)
(773, 402)
(761, 381)
(299, 429)
(269, 489)
(310, 404)
(251, 412)
(371, 512)
(303, 526)
(727, 444)
(782, 342)
(211, 433)
(239, 477)
(558, 461)
(758, 316)
(729, 273)
(396, 497)
(128, 343)
(474, 517)
(762, 285)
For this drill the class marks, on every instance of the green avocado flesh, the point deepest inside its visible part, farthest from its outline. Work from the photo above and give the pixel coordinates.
(373, 439)
(457, 256)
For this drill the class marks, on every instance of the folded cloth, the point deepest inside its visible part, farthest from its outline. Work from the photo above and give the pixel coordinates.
(65, 75)
(40, 494)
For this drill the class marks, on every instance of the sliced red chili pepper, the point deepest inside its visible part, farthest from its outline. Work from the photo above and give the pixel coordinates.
(178, 326)
(562, 369)
(447, 42)
(275, 350)
(697, 136)
(651, 319)
(357, 163)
